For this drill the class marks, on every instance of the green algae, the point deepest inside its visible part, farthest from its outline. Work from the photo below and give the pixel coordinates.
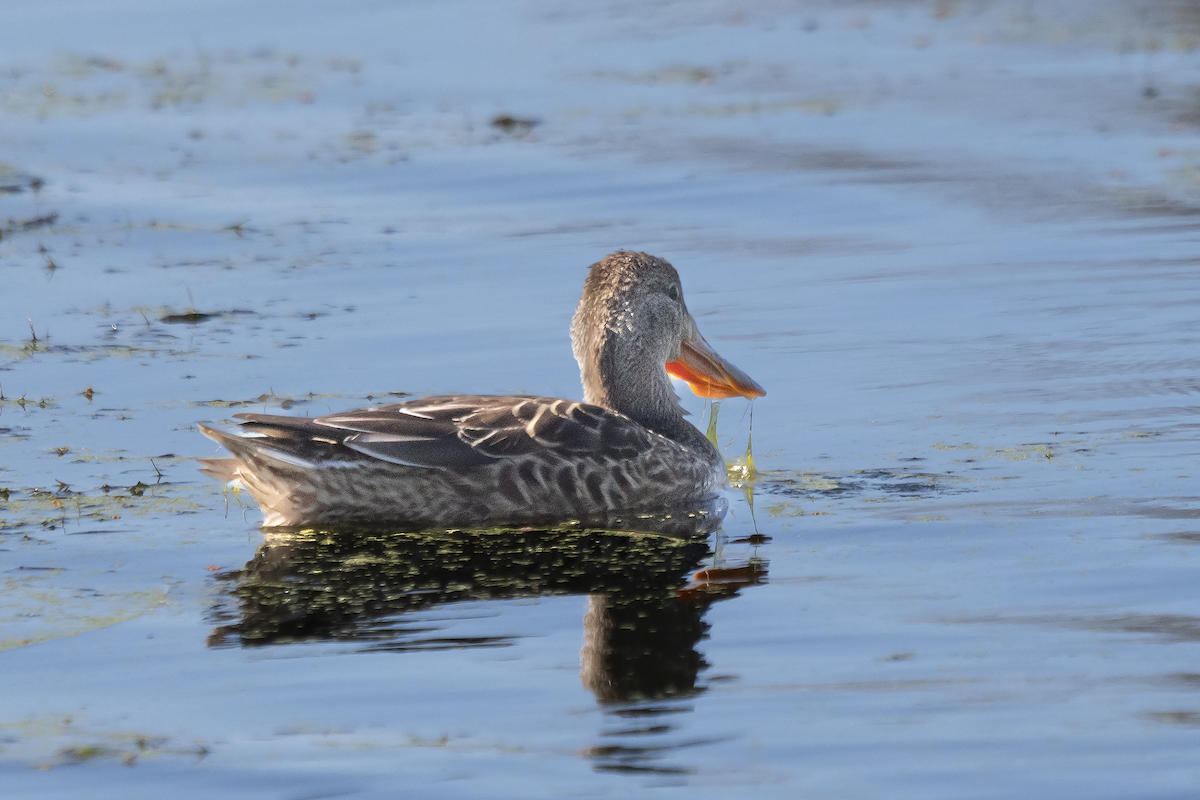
(60, 613)
(52, 510)
(76, 742)
(1017, 453)
(785, 509)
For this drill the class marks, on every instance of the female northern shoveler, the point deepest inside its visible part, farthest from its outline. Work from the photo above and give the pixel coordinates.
(473, 460)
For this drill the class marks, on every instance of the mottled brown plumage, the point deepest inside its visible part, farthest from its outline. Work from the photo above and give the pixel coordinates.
(474, 460)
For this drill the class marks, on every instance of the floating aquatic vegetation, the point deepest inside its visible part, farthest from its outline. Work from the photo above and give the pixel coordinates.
(514, 126)
(64, 509)
(79, 743)
(13, 181)
(14, 226)
(189, 317)
(872, 484)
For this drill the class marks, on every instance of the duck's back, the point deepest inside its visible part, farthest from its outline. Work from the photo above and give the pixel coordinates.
(460, 461)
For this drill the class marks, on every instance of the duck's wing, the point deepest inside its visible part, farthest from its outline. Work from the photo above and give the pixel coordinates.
(460, 433)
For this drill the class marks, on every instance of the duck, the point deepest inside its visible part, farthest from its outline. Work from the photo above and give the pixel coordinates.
(472, 461)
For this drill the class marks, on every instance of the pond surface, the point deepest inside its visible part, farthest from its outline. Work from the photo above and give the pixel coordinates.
(955, 241)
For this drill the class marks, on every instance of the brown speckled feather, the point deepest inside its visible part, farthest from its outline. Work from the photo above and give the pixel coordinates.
(462, 461)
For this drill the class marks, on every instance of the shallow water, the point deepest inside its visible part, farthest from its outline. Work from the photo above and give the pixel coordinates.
(956, 242)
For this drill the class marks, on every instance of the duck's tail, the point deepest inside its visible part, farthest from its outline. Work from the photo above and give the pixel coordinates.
(251, 468)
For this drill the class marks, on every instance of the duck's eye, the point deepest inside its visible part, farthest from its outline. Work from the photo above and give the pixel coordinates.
(673, 293)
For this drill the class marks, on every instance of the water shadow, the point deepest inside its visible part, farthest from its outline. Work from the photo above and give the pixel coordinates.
(647, 597)
(642, 624)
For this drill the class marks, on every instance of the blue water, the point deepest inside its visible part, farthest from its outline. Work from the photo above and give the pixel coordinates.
(954, 241)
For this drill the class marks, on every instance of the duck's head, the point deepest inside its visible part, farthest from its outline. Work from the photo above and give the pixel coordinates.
(632, 329)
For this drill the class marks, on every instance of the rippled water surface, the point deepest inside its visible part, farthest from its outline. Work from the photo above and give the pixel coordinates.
(955, 241)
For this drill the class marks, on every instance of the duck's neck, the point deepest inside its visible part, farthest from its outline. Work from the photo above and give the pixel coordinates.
(630, 381)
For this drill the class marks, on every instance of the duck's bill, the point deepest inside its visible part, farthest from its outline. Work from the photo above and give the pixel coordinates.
(708, 374)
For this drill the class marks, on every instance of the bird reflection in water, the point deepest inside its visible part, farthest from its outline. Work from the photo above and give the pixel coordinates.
(647, 596)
